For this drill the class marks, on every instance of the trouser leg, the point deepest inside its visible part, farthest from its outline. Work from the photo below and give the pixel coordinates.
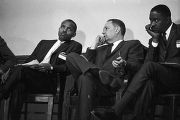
(16, 102)
(90, 90)
(27, 80)
(150, 78)
(139, 86)
(78, 65)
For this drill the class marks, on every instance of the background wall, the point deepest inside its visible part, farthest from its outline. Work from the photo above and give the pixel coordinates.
(23, 23)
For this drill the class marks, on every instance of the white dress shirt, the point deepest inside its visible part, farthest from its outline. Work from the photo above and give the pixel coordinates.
(50, 52)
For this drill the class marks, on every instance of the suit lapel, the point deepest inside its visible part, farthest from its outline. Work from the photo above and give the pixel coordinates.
(173, 30)
(55, 55)
(62, 47)
(116, 49)
(45, 47)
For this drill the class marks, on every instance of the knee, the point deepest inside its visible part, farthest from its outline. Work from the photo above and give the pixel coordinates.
(86, 79)
(71, 55)
(16, 69)
(149, 68)
(70, 58)
(26, 69)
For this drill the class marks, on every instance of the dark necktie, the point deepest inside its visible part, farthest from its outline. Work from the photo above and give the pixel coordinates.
(164, 38)
(109, 47)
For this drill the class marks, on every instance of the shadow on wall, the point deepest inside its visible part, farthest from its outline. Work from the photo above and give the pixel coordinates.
(21, 46)
(177, 22)
(80, 37)
(129, 34)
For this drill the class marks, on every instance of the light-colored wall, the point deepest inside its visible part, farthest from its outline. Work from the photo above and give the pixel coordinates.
(23, 23)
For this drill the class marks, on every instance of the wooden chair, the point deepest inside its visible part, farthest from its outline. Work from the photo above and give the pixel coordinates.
(50, 99)
(171, 101)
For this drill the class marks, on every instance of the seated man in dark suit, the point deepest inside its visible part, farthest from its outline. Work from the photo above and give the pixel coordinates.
(89, 69)
(159, 74)
(42, 65)
(7, 59)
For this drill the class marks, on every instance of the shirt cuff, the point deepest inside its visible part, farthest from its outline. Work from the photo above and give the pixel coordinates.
(154, 44)
(51, 67)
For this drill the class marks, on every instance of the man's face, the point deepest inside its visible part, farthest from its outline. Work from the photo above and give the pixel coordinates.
(66, 31)
(109, 31)
(158, 22)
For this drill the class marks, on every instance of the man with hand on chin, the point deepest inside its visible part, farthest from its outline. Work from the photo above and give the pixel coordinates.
(94, 74)
(160, 72)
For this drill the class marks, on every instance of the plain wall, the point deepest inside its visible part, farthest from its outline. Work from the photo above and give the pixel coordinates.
(23, 23)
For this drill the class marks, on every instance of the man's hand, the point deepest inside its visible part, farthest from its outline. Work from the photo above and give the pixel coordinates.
(99, 39)
(34, 66)
(118, 62)
(44, 67)
(155, 35)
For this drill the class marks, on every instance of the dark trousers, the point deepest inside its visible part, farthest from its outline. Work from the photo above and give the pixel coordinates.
(88, 84)
(152, 79)
(23, 80)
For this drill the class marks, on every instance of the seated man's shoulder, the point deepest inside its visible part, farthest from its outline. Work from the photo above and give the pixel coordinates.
(75, 42)
(2, 40)
(132, 42)
(48, 40)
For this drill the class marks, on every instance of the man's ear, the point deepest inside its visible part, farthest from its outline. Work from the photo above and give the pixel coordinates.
(117, 29)
(74, 34)
(169, 19)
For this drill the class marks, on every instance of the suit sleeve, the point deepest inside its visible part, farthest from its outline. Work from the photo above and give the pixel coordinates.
(77, 48)
(135, 58)
(7, 59)
(151, 54)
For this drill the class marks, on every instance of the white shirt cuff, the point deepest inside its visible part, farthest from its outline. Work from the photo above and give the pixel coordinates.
(154, 44)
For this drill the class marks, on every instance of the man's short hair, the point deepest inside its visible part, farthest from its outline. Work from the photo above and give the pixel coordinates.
(162, 9)
(120, 24)
(73, 23)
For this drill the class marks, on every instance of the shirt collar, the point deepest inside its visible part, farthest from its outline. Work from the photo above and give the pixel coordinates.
(115, 44)
(59, 41)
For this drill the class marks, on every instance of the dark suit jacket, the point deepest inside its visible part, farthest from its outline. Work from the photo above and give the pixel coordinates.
(131, 51)
(45, 45)
(169, 53)
(7, 58)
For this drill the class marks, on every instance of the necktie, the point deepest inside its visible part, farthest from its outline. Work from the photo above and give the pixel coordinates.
(50, 52)
(164, 38)
(109, 47)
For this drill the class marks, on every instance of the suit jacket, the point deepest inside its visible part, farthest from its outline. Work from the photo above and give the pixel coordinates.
(7, 58)
(170, 52)
(131, 51)
(45, 45)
